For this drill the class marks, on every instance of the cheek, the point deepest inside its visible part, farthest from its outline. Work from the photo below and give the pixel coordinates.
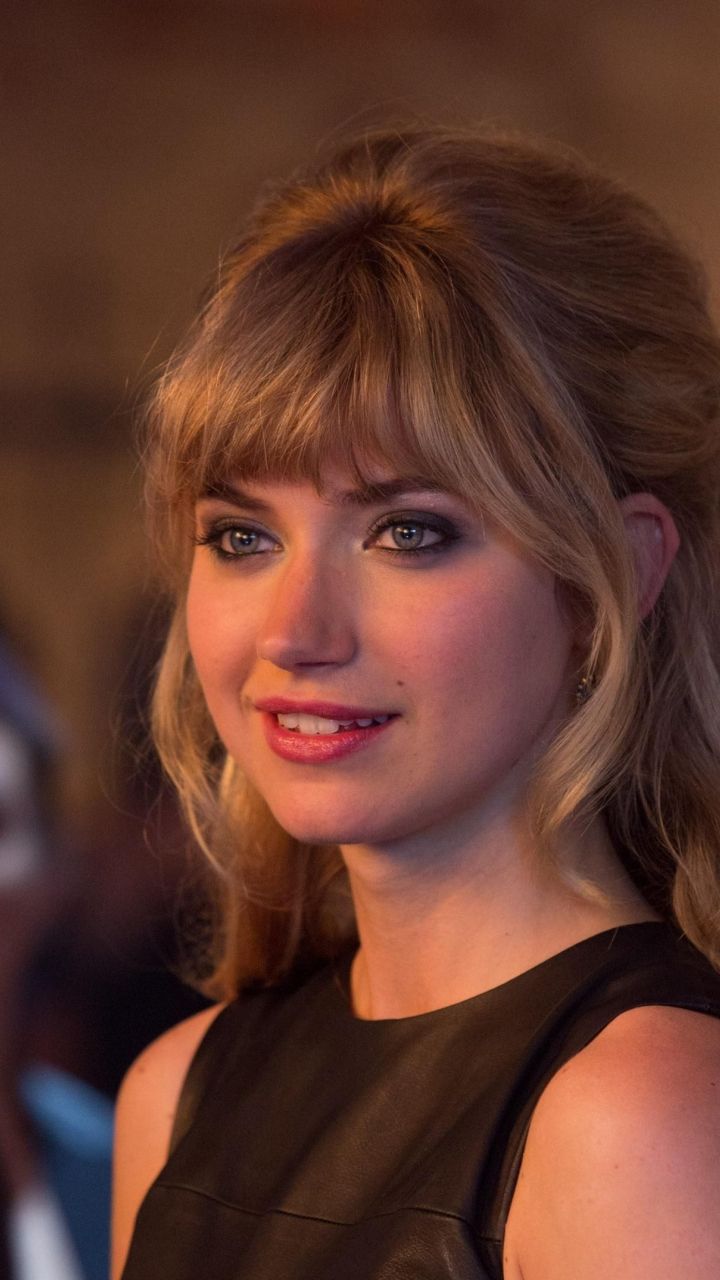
(500, 647)
(215, 635)
(198, 615)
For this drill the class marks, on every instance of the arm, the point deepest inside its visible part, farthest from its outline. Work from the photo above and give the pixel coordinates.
(621, 1173)
(146, 1108)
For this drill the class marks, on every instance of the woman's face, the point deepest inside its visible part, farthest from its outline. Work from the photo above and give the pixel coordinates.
(306, 612)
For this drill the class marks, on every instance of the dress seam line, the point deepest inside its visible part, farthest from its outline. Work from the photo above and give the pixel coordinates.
(311, 1217)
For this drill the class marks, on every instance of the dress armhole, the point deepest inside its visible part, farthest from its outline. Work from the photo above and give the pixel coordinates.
(204, 1066)
(511, 1137)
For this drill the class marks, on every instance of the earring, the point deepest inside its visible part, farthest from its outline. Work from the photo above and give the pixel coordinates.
(584, 688)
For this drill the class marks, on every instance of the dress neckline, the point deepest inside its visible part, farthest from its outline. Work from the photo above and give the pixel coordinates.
(340, 984)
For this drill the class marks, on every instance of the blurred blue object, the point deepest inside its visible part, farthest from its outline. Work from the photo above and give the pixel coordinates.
(22, 706)
(73, 1126)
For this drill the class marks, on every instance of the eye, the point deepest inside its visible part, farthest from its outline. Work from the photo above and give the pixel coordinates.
(408, 534)
(233, 541)
(240, 542)
(411, 535)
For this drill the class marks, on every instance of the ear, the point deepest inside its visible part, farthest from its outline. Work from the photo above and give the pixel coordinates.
(654, 540)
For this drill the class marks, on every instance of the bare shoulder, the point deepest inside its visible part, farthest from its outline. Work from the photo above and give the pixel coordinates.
(621, 1172)
(146, 1108)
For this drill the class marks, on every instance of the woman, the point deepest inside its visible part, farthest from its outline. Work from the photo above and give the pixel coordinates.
(436, 482)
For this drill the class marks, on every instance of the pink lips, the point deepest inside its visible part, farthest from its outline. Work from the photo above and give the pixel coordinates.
(305, 748)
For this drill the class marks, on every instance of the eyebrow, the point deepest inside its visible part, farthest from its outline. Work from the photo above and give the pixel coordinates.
(365, 495)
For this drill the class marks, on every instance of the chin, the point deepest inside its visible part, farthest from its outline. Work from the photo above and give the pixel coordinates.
(326, 828)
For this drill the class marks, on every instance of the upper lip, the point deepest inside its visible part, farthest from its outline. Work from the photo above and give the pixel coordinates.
(328, 710)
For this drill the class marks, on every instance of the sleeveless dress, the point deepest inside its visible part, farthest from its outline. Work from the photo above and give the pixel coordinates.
(312, 1145)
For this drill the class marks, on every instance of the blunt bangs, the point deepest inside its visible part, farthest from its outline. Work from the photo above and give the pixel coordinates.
(361, 354)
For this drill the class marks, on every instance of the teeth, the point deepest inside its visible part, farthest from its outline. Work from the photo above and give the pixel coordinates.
(319, 724)
(309, 724)
(288, 721)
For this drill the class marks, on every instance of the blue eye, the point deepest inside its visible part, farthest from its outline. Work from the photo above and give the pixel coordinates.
(401, 534)
(412, 535)
(235, 541)
(240, 541)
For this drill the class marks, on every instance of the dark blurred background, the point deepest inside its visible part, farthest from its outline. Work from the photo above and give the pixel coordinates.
(136, 135)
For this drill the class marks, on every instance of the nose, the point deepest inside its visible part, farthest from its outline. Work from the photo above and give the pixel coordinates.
(309, 620)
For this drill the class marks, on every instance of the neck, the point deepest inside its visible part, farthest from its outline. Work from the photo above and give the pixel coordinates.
(436, 929)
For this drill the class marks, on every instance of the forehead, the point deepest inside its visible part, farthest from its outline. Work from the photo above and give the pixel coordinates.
(335, 485)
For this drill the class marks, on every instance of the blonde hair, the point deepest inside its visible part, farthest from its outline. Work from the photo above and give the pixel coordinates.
(498, 317)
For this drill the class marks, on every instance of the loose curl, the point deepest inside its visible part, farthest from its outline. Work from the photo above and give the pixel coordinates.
(499, 317)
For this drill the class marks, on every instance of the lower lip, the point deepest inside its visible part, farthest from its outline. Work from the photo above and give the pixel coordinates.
(318, 748)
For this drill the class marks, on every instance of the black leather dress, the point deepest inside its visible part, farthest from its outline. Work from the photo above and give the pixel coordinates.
(311, 1145)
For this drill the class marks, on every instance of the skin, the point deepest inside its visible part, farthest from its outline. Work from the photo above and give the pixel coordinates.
(470, 648)
(319, 613)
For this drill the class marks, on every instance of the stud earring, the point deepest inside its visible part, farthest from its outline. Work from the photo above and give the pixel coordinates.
(583, 689)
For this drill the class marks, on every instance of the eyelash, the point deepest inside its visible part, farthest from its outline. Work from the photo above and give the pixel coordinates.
(435, 524)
